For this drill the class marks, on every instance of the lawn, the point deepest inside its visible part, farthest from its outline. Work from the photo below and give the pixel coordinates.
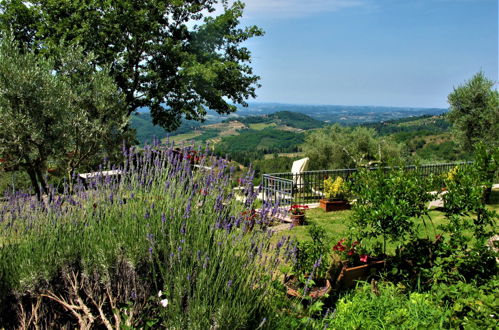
(336, 224)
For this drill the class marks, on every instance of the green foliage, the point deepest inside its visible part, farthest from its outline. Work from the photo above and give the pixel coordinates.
(285, 118)
(257, 142)
(343, 147)
(467, 305)
(387, 202)
(464, 192)
(391, 308)
(276, 164)
(474, 112)
(155, 58)
(312, 257)
(444, 151)
(66, 117)
(145, 131)
(487, 165)
(207, 135)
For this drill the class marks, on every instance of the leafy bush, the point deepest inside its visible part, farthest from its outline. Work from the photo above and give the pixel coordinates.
(387, 202)
(469, 306)
(312, 257)
(371, 307)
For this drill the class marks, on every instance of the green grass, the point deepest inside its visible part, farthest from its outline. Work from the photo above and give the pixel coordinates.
(337, 224)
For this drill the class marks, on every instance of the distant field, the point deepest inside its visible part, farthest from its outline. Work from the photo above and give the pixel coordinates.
(185, 137)
(260, 126)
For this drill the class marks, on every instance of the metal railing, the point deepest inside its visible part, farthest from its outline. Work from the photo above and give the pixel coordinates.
(308, 186)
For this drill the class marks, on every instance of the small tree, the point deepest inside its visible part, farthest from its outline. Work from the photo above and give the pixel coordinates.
(474, 112)
(65, 117)
(387, 202)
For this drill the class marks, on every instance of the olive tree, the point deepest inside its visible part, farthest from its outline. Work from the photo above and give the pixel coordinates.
(65, 116)
(474, 112)
(336, 146)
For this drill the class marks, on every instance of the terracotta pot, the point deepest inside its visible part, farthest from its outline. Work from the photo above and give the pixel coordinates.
(297, 219)
(349, 275)
(328, 205)
(322, 287)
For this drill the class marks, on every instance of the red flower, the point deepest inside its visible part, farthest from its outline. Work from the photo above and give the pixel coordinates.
(364, 257)
(350, 252)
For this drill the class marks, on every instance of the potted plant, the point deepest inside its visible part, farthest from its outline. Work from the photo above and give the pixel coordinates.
(335, 193)
(297, 214)
(309, 271)
(351, 263)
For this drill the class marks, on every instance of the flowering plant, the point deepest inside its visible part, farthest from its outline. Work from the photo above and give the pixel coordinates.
(451, 175)
(298, 209)
(350, 251)
(335, 189)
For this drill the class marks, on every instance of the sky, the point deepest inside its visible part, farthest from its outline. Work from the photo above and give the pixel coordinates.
(408, 53)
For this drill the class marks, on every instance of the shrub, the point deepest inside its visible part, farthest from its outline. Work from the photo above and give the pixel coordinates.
(387, 202)
(469, 306)
(385, 305)
(179, 231)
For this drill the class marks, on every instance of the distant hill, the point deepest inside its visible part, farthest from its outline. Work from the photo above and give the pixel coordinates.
(284, 118)
(146, 131)
(344, 114)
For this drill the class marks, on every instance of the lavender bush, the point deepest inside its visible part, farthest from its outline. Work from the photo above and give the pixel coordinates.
(164, 244)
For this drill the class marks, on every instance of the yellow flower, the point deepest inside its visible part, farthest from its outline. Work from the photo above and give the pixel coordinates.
(334, 189)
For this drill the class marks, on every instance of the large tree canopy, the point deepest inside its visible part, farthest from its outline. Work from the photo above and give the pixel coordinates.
(474, 112)
(157, 55)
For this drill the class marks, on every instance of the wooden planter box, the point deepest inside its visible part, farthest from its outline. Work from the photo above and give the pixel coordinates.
(350, 275)
(329, 206)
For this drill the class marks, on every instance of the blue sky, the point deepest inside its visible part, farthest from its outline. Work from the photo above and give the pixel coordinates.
(371, 52)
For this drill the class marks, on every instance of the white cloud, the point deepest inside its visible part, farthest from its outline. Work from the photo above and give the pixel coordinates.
(297, 8)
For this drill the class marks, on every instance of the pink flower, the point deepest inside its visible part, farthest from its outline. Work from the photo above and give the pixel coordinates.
(350, 253)
(364, 257)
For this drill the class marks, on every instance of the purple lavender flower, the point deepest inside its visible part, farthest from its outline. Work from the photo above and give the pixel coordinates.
(163, 218)
(188, 209)
(318, 263)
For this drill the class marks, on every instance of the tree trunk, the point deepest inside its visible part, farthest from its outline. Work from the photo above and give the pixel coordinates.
(34, 181)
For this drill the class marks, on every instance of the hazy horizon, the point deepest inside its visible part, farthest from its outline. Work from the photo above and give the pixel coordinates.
(388, 53)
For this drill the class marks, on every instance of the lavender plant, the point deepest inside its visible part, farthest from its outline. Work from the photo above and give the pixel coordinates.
(177, 229)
